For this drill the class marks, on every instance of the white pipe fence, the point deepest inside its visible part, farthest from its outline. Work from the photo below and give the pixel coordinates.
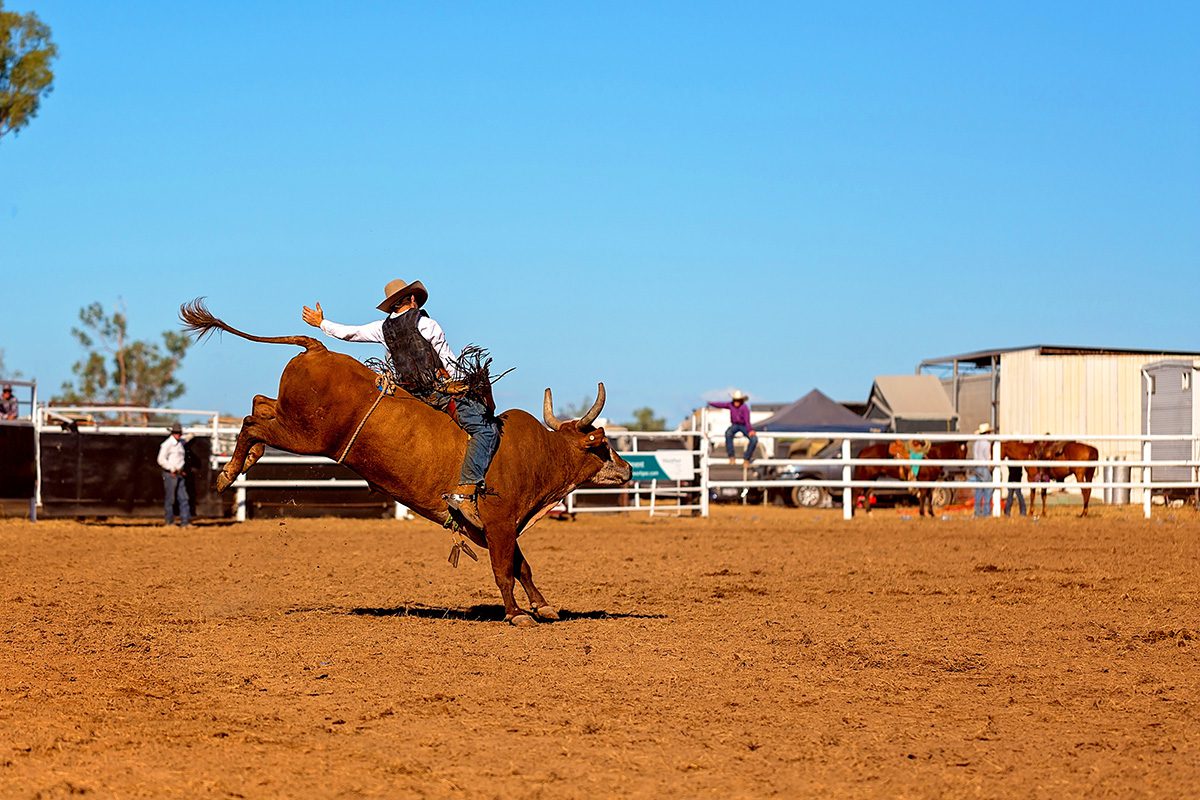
(691, 488)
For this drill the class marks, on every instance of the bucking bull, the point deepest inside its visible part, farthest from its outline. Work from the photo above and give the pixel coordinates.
(411, 452)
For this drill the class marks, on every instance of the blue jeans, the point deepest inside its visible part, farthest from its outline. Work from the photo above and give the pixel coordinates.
(175, 489)
(1016, 490)
(983, 497)
(484, 430)
(732, 431)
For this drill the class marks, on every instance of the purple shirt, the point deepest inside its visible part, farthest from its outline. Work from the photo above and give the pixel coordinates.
(738, 415)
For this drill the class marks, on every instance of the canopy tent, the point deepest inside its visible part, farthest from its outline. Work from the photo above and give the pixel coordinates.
(817, 413)
(911, 403)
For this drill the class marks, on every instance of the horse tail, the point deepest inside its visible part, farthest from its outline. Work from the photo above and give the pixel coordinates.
(200, 322)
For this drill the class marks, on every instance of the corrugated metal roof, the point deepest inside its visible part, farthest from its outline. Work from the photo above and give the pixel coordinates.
(982, 358)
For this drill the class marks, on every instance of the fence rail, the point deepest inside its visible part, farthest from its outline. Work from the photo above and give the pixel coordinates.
(694, 480)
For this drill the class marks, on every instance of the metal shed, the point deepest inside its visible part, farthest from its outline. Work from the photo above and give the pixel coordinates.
(1169, 407)
(1051, 389)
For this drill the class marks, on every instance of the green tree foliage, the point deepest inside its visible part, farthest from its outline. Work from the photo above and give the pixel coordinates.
(575, 410)
(644, 420)
(26, 55)
(4, 373)
(117, 370)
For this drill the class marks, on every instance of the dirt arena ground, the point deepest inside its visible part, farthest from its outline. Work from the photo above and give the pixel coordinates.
(761, 652)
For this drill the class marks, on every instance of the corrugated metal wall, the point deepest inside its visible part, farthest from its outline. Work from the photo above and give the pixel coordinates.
(1074, 394)
(1171, 410)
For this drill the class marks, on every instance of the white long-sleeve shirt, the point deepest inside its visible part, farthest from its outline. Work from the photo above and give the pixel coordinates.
(373, 332)
(171, 454)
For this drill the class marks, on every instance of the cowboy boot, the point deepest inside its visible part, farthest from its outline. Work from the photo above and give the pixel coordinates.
(464, 501)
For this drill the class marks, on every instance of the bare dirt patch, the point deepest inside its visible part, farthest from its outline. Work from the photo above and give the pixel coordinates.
(760, 652)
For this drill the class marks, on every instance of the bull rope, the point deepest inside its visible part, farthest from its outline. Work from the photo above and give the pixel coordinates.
(385, 389)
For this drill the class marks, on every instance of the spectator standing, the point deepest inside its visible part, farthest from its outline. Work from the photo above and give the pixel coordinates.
(981, 450)
(8, 404)
(1014, 477)
(739, 422)
(172, 458)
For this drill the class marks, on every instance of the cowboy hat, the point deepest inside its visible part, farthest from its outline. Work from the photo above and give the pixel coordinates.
(738, 394)
(176, 428)
(397, 290)
(984, 428)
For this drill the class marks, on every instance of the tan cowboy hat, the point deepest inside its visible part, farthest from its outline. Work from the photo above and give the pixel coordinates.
(984, 428)
(738, 394)
(397, 290)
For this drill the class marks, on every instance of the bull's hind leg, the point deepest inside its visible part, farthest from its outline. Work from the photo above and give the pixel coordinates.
(263, 408)
(502, 549)
(256, 433)
(541, 609)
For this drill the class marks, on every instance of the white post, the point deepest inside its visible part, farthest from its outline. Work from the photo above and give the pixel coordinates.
(36, 418)
(402, 511)
(996, 469)
(703, 466)
(1146, 478)
(239, 504)
(653, 494)
(847, 492)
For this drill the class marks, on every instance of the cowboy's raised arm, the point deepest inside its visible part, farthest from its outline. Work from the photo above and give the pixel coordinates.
(371, 332)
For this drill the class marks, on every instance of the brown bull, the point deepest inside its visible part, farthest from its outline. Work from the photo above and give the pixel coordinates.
(1062, 451)
(927, 472)
(412, 452)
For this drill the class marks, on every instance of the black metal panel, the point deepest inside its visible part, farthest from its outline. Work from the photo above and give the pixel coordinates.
(307, 502)
(108, 474)
(18, 461)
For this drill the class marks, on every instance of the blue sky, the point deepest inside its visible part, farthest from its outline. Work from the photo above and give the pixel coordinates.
(675, 198)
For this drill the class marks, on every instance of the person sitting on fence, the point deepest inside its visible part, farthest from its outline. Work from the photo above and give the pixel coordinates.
(739, 419)
(8, 404)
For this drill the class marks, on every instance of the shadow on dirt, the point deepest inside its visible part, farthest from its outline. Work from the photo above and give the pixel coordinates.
(105, 522)
(487, 613)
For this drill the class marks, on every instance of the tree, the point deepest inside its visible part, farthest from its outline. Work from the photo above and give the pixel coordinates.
(117, 370)
(26, 54)
(644, 420)
(4, 373)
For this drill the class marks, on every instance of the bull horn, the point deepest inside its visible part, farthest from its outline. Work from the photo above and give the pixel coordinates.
(552, 422)
(594, 411)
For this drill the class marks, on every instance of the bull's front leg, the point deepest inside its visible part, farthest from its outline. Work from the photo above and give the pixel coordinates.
(502, 546)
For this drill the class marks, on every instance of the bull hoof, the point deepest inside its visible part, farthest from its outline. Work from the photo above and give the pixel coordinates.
(522, 621)
(223, 482)
(547, 613)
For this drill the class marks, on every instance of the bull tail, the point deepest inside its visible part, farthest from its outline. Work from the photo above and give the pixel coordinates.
(200, 322)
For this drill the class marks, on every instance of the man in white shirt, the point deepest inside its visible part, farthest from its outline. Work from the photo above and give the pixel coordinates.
(172, 459)
(424, 365)
(981, 450)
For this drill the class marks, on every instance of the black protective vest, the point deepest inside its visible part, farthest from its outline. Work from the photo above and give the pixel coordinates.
(414, 361)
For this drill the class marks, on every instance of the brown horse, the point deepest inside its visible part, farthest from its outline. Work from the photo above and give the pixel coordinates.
(926, 472)
(1061, 451)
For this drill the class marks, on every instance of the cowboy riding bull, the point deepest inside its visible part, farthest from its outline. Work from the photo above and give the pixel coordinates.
(330, 404)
